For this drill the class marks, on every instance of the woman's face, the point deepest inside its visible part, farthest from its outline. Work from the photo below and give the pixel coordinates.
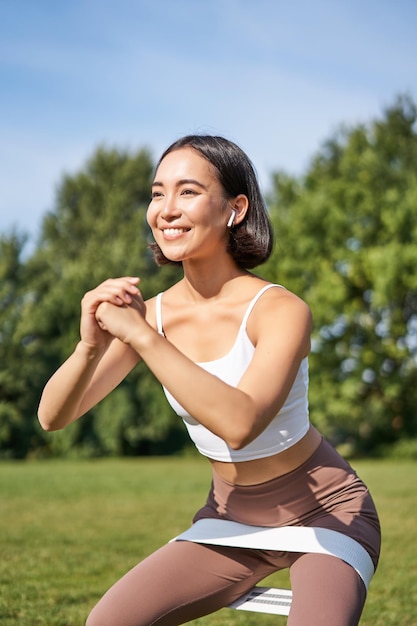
(187, 213)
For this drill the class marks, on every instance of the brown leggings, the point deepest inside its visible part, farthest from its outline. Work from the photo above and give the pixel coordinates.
(183, 581)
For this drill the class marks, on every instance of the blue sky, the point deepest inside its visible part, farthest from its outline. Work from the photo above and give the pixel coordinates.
(277, 77)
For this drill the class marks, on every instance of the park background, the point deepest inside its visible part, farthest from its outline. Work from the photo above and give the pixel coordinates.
(323, 98)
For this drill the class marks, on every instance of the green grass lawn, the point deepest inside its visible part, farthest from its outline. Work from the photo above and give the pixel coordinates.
(69, 529)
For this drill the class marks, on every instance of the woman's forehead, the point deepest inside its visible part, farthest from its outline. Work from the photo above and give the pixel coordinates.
(185, 163)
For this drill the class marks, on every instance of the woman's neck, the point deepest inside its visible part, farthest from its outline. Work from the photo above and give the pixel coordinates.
(211, 281)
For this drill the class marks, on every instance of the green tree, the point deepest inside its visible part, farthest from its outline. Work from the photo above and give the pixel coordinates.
(97, 230)
(347, 235)
(17, 382)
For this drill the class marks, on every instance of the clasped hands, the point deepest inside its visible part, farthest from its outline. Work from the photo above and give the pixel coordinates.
(116, 307)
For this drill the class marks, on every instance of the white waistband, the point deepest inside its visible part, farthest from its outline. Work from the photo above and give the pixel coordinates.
(284, 538)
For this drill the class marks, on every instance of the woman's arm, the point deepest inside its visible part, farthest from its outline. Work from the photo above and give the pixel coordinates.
(97, 365)
(280, 327)
(82, 381)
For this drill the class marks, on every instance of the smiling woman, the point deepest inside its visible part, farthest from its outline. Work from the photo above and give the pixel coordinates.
(250, 240)
(230, 351)
(187, 213)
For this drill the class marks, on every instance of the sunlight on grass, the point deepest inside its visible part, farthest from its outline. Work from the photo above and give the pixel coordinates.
(69, 529)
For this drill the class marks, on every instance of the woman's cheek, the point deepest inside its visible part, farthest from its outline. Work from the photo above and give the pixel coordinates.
(151, 216)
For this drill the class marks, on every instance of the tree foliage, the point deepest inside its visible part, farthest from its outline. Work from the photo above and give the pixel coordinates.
(18, 383)
(347, 236)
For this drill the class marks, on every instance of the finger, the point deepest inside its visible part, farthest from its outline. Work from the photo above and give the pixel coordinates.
(118, 291)
(101, 324)
(134, 280)
(122, 289)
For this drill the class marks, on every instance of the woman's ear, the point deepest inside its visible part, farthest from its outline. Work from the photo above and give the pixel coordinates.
(239, 206)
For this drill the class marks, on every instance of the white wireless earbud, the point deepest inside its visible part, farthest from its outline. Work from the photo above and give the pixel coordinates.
(231, 218)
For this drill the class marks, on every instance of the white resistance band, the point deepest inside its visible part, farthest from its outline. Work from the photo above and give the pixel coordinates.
(285, 538)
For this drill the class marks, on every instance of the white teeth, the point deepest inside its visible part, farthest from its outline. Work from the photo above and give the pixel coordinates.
(174, 231)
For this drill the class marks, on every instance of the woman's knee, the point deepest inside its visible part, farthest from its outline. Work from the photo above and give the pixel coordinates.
(326, 590)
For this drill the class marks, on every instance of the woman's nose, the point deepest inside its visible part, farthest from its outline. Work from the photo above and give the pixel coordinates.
(171, 208)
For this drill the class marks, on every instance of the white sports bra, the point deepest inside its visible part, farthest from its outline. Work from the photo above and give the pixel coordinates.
(289, 425)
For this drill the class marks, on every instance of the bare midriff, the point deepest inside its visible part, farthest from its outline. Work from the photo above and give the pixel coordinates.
(261, 470)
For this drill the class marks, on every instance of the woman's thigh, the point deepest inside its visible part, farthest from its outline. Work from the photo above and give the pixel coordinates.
(326, 590)
(181, 582)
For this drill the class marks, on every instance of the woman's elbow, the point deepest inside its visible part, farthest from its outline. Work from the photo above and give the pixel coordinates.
(244, 428)
(241, 437)
(48, 422)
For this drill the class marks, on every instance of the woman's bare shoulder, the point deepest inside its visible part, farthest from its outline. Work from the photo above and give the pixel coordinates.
(283, 300)
(279, 312)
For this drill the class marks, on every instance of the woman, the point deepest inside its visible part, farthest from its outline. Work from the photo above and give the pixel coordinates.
(231, 352)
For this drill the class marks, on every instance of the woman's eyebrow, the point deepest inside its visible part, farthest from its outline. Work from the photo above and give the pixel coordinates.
(183, 181)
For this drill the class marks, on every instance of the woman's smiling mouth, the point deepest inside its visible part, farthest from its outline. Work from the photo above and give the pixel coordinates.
(174, 232)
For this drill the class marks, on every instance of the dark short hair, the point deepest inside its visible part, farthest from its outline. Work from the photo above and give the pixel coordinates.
(250, 242)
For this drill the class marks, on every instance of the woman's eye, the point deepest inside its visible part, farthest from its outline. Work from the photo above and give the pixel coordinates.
(156, 194)
(188, 192)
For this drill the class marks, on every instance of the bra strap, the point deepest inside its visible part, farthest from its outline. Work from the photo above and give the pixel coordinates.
(158, 313)
(255, 300)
